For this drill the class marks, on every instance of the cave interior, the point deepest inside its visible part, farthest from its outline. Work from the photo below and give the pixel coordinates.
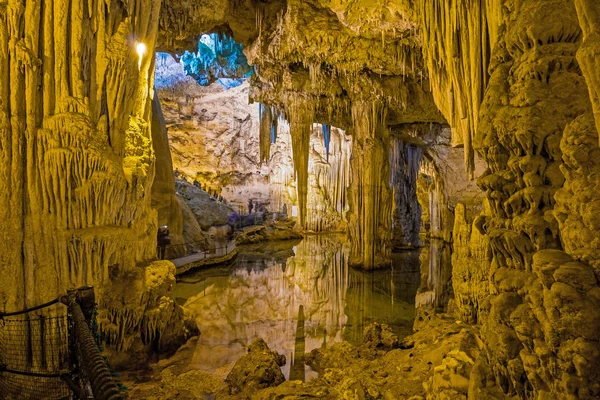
(365, 199)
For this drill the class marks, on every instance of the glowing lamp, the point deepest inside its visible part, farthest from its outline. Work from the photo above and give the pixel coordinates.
(141, 50)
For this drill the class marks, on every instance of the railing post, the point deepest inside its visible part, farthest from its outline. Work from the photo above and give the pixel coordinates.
(93, 365)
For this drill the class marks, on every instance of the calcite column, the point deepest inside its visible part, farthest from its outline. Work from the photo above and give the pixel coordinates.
(370, 197)
(76, 156)
(301, 116)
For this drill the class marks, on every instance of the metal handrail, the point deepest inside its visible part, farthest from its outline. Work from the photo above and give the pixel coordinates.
(212, 252)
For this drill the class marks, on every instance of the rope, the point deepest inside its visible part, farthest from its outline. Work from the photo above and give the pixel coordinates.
(25, 373)
(48, 304)
(58, 369)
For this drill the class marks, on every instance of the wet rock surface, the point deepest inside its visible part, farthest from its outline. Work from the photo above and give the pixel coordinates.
(277, 230)
(258, 369)
(443, 362)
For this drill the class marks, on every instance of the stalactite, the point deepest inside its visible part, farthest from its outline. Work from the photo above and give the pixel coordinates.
(457, 42)
(301, 114)
(274, 124)
(326, 138)
(328, 179)
(266, 124)
(300, 133)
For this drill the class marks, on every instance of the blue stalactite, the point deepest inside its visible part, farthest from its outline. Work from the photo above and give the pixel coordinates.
(326, 138)
(218, 59)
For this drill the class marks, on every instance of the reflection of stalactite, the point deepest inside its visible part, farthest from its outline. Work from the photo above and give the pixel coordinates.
(405, 162)
(297, 367)
(370, 206)
(436, 276)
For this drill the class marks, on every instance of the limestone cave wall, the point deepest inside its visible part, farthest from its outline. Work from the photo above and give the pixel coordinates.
(76, 157)
(517, 81)
(511, 265)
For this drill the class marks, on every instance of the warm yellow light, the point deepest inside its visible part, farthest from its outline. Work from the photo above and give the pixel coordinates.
(141, 50)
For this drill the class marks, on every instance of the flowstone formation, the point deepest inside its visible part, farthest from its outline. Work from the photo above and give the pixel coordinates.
(76, 156)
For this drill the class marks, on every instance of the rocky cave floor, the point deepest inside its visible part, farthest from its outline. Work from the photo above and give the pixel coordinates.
(441, 357)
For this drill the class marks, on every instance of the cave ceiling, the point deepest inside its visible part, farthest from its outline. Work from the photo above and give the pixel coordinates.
(314, 59)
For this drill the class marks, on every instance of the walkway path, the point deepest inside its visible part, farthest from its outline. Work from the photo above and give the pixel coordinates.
(205, 258)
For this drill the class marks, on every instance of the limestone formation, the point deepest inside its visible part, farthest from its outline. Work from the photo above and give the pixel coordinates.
(258, 369)
(77, 161)
(371, 117)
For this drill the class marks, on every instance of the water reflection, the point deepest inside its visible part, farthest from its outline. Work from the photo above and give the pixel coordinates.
(298, 296)
(436, 277)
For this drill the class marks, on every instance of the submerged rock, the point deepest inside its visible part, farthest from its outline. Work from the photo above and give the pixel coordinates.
(258, 369)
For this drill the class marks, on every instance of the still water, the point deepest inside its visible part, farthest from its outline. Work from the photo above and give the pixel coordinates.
(301, 295)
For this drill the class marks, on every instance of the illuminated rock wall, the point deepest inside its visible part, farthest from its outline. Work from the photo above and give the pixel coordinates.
(215, 137)
(523, 292)
(76, 156)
